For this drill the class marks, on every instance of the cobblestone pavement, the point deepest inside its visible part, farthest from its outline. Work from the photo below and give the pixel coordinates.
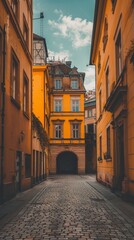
(68, 207)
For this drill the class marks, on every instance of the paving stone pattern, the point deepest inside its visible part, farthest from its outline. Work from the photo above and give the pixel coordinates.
(68, 208)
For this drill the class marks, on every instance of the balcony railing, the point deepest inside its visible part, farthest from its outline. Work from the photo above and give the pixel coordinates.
(67, 141)
(118, 94)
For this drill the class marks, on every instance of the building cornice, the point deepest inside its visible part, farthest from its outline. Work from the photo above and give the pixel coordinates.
(100, 6)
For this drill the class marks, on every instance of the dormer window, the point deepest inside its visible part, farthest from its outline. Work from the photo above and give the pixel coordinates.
(58, 84)
(74, 84)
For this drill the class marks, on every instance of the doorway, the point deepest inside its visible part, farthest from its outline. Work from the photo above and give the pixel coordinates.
(120, 157)
(67, 163)
(18, 170)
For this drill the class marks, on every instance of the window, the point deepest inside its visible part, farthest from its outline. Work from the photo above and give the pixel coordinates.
(86, 113)
(1, 57)
(75, 106)
(58, 84)
(26, 95)
(113, 5)
(100, 145)
(108, 141)
(99, 62)
(118, 56)
(57, 105)
(58, 130)
(14, 77)
(14, 6)
(105, 34)
(100, 99)
(74, 84)
(90, 113)
(27, 165)
(25, 31)
(75, 130)
(107, 83)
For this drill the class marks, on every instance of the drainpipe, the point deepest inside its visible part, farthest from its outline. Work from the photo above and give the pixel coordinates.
(3, 115)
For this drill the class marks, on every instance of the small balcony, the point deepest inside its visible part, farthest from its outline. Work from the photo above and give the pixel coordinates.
(117, 96)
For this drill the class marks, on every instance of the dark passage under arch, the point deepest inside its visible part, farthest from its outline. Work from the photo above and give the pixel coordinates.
(67, 163)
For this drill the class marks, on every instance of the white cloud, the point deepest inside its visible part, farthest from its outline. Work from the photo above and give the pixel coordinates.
(77, 30)
(58, 11)
(61, 55)
(61, 46)
(90, 78)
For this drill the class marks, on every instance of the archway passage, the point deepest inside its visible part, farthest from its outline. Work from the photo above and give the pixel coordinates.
(67, 163)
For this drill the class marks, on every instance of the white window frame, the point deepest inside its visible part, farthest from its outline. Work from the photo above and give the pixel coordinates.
(74, 84)
(75, 105)
(58, 84)
(75, 130)
(86, 113)
(58, 104)
(58, 131)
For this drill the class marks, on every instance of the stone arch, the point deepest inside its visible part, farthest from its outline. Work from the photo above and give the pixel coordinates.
(67, 163)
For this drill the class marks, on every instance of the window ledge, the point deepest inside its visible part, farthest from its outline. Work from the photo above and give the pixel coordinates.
(15, 102)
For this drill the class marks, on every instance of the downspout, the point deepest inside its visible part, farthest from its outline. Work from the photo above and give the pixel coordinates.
(3, 116)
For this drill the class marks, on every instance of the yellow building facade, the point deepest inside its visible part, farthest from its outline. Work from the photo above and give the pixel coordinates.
(41, 106)
(41, 110)
(112, 53)
(15, 96)
(67, 139)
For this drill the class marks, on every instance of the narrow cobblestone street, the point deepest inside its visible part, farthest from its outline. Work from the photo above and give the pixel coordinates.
(70, 207)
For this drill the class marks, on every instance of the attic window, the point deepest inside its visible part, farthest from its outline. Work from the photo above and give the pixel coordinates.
(74, 84)
(58, 84)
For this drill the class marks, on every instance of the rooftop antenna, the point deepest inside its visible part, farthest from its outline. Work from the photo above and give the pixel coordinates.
(41, 17)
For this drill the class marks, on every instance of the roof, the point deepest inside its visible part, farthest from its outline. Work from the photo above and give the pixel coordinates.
(66, 69)
(90, 102)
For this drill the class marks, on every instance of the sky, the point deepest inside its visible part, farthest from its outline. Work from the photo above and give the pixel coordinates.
(67, 28)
